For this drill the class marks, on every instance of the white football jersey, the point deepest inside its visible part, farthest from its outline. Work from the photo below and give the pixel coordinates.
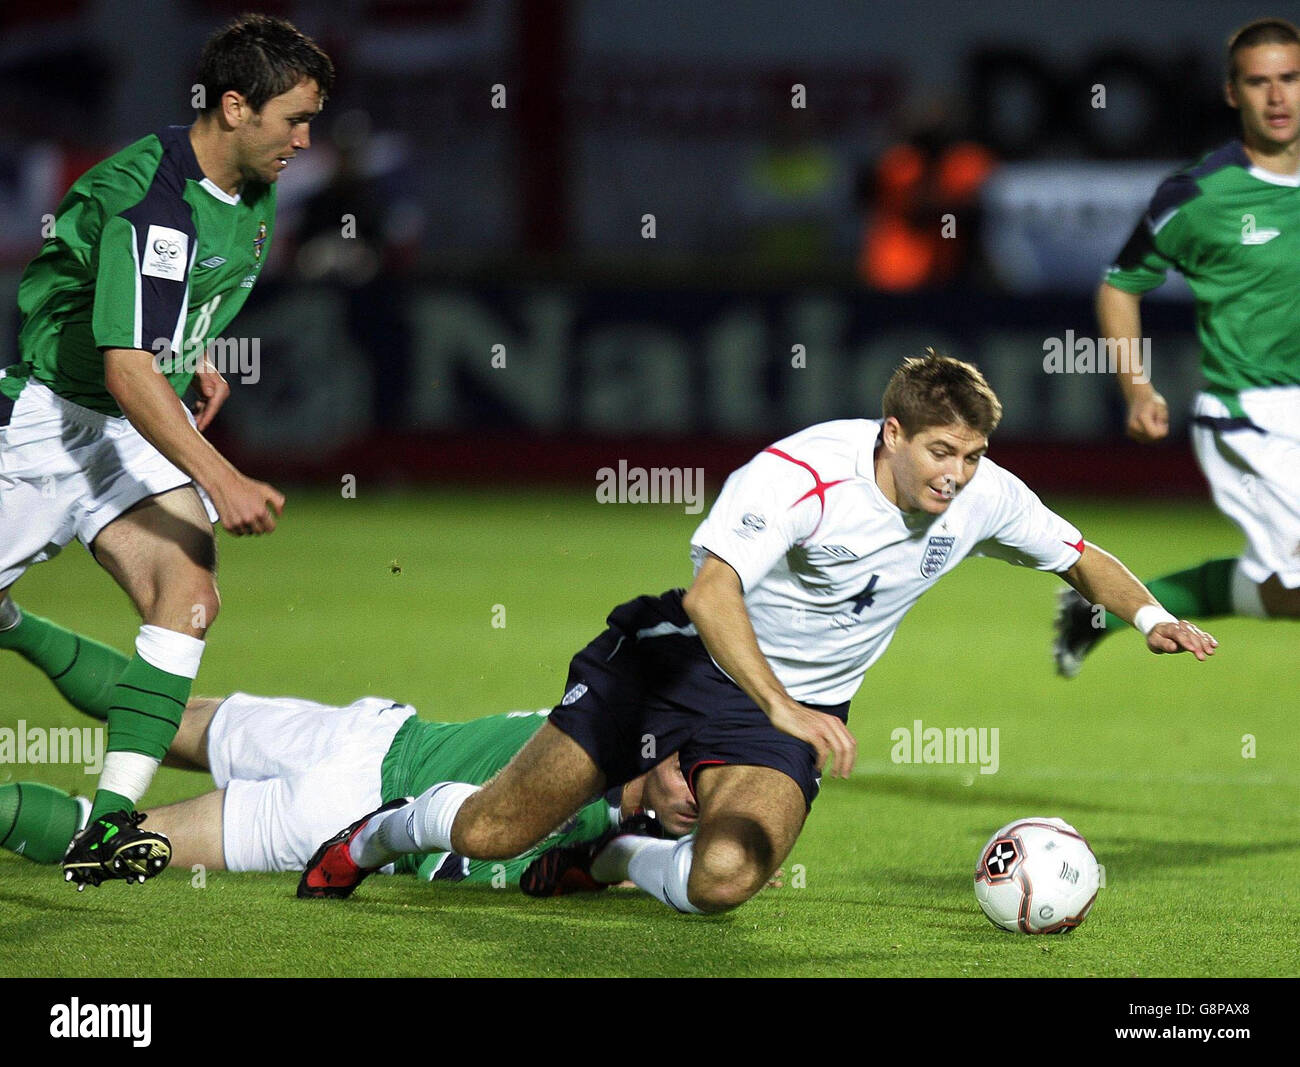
(829, 567)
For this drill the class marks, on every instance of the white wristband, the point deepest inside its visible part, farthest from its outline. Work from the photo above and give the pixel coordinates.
(1149, 616)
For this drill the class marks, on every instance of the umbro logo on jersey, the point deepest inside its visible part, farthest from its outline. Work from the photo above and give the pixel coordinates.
(839, 551)
(213, 261)
(574, 695)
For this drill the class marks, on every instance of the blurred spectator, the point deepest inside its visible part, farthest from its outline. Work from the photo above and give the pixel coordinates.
(361, 231)
(908, 242)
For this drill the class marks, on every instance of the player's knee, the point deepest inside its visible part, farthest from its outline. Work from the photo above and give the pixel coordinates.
(205, 603)
(718, 897)
(724, 875)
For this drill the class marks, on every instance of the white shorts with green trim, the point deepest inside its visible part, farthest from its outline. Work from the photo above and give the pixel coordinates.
(67, 471)
(1253, 467)
(296, 773)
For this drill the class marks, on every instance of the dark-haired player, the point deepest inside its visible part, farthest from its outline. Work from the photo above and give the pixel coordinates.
(1231, 225)
(154, 250)
(805, 566)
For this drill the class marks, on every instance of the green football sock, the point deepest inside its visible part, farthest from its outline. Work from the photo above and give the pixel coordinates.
(144, 714)
(37, 821)
(1202, 592)
(83, 670)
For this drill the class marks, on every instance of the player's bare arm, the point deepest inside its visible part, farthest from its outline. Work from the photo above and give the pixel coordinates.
(245, 505)
(1119, 317)
(1102, 579)
(715, 603)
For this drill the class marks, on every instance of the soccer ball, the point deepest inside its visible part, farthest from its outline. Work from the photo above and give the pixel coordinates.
(1037, 876)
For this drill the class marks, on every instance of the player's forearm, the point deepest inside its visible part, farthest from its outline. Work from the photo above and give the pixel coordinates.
(1119, 318)
(719, 614)
(1102, 579)
(150, 405)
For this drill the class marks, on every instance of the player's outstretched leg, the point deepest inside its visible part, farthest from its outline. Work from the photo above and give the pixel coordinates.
(1078, 629)
(568, 868)
(546, 782)
(114, 846)
(331, 871)
(38, 821)
(82, 669)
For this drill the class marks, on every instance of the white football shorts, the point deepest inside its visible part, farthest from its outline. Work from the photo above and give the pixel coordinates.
(295, 773)
(1254, 474)
(67, 471)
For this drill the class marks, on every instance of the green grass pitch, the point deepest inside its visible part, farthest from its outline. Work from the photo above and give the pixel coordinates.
(396, 595)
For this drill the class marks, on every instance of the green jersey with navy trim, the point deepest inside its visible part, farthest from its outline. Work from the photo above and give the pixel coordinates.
(1233, 230)
(146, 253)
(425, 753)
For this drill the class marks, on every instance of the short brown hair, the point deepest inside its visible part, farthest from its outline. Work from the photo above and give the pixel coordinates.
(261, 57)
(1261, 31)
(935, 390)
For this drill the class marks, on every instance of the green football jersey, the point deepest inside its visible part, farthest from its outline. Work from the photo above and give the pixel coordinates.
(146, 253)
(1233, 230)
(425, 753)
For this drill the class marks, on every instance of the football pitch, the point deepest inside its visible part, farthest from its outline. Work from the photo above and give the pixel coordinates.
(1183, 776)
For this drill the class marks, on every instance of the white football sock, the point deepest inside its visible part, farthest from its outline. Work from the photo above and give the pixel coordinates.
(1245, 596)
(662, 869)
(422, 826)
(610, 864)
(369, 850)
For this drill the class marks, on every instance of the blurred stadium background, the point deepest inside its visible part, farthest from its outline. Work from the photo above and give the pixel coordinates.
(774, 226)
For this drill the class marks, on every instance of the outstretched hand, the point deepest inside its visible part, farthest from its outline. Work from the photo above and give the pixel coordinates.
(1181, 636)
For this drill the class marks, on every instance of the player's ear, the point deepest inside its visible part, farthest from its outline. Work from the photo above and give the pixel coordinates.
(1230, 95)
(234, 108)
(892, 432)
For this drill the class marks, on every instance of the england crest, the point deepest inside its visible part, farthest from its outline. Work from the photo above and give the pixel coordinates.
(936, 554)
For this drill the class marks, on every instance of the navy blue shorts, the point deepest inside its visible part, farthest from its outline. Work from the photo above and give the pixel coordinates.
(647, 687)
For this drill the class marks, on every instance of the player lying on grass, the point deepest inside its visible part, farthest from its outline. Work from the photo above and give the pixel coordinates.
(1226, 224)
(805, 566)
(288, 771)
